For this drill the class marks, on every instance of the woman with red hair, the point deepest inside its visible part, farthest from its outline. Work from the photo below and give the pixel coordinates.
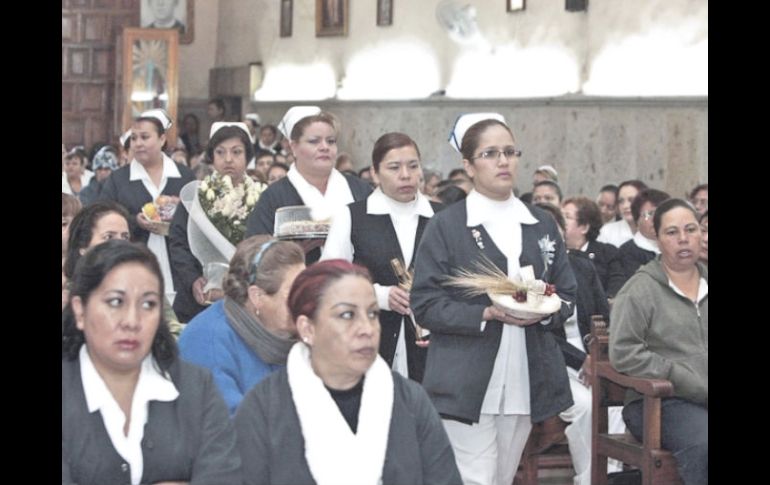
(337, 414)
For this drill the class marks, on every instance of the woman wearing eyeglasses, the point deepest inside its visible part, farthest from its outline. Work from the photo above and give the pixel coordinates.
(490, 375)
(643, 247)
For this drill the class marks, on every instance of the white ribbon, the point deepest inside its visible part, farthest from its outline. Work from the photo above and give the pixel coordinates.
(207, 244)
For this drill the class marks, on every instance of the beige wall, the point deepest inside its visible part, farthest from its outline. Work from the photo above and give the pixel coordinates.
(197, 58)
(240, 23)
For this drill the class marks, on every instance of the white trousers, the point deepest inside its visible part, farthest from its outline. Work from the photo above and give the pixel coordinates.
(488, 452)
(578, 432)
(615, 425)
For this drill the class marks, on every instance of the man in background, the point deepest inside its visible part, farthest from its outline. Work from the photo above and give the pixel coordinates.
(163, 15)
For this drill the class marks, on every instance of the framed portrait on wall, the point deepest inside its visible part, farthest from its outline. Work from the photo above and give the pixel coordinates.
(384, 12)
(287, 8)
(169, 14)
(515, 5)
(150, 59)
(331, 17)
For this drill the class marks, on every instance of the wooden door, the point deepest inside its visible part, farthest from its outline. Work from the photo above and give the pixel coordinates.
(90, 83)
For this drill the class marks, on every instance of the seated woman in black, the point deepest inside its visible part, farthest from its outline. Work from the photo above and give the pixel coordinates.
(337, 415)
(132, 412)
(583, 222)
(643, 247)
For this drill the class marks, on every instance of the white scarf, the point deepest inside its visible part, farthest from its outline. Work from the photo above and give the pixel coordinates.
(322, 206)
(334, 454)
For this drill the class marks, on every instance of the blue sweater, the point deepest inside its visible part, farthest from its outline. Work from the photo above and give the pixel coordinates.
(209, 341)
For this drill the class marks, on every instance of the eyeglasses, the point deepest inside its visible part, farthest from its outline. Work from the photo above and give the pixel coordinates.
(510, 154)
(648, 214)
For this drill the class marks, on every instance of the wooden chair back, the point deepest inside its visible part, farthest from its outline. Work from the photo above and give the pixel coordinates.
(609, 388)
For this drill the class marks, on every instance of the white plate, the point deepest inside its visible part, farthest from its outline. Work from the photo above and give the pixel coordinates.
(546, 306)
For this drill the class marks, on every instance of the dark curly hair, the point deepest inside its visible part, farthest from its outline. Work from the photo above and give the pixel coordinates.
(90, 271)
(668, 205)
(82, 229)
(225, 133)
(654, 196)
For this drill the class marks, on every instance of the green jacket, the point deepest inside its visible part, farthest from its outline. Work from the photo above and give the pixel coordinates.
(657, 333)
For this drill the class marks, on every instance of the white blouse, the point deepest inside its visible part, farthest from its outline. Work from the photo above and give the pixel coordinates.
(646, 244)
(85, 179)
(615, 233)
(508, 387)
(157, 243)
(151, 386)
(405, 216)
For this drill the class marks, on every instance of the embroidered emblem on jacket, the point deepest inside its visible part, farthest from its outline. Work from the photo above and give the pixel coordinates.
(547, 250)
(477, 236)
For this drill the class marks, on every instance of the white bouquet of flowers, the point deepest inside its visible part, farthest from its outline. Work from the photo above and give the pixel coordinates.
(228, 206)
(218, 212)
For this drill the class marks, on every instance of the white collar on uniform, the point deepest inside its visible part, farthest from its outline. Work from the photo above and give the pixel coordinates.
(138, 172)
(482, 209)
(152, 385)
(379, 203)
(646, 244)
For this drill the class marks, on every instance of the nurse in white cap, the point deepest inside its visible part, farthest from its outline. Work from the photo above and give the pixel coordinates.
(149, 174)
(312, 180)
(490, 374)
(196, 243)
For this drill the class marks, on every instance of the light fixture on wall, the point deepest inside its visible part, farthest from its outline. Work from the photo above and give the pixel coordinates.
(576, 5)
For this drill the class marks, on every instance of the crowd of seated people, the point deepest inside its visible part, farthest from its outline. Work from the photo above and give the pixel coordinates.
(349, 358)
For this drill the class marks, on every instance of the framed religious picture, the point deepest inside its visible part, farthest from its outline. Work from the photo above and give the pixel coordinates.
(384, 12)
(331, 17)
(169, 14)
(515, 5)
(150, 59)
(287, 7)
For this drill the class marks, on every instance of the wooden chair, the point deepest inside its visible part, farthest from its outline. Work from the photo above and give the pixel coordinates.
(546, 448)
(609, 387)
